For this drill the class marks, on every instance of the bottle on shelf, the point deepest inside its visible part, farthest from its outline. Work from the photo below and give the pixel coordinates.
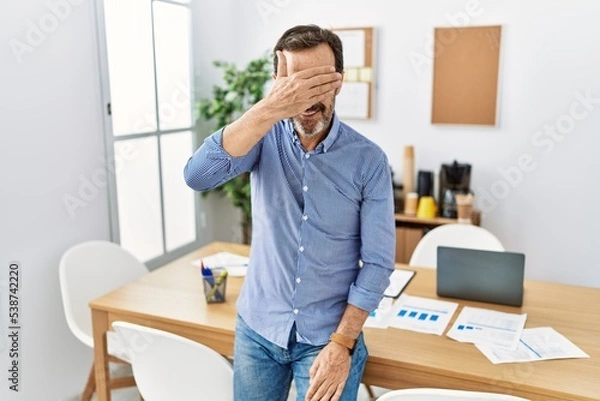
(408, 170)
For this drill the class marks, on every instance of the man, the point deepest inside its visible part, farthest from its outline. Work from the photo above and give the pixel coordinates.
(321, 204)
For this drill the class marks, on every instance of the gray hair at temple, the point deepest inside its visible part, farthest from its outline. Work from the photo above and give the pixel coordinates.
(306, 37)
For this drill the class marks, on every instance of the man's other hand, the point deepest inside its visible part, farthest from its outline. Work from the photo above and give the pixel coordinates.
(329, 373)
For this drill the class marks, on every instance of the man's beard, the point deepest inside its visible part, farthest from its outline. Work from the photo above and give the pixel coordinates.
(310, 129)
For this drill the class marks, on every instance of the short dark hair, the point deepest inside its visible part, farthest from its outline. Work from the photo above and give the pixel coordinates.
(306, 37)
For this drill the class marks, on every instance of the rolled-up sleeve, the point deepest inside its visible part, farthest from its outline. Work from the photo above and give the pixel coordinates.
(211, 166)
(378, 239)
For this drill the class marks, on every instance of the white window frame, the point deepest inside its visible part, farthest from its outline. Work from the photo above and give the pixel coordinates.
(110, 139)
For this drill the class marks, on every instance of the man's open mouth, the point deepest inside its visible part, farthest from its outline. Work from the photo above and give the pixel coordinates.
(315, 108)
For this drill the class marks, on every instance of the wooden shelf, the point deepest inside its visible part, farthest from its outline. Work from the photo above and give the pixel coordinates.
(436, 221)
(410, 230)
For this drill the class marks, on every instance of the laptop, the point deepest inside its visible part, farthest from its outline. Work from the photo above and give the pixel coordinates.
(480, 275)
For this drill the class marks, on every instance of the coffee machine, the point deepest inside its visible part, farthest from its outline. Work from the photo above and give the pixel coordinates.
(455, 178)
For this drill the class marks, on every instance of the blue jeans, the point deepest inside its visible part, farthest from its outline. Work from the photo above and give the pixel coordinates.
(264, 371)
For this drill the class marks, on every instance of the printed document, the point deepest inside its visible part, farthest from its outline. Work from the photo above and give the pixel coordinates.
(536, 344)
(488, 327)
(423, 315)
(236, 265)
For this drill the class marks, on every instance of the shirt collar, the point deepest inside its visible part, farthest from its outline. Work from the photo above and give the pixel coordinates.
(334, 133)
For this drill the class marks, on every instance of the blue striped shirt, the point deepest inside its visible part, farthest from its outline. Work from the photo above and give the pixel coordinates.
(315, 216)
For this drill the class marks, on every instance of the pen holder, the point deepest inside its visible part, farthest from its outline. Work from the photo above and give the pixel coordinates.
(215, 286)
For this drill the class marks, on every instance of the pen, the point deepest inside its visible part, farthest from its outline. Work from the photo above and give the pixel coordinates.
(207, 274)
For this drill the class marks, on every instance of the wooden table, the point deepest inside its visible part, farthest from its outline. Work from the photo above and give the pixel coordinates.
(171, 298)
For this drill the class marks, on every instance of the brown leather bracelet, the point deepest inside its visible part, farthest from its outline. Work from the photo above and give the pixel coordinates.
(343, 340)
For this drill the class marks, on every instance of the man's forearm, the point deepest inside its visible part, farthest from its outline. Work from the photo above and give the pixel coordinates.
(245, 132)
(352, 321)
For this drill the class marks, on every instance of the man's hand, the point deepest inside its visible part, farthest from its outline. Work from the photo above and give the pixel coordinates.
(293, 94)
(329, 373)
(289, 96)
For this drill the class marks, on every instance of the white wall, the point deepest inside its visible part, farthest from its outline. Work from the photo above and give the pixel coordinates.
(50, 136)
(550, 57)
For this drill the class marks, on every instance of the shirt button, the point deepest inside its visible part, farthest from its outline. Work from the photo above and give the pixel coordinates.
(305, 217)
(298, 280)
(295, 311)
(307, 156)
(305, 188)
(301, 249)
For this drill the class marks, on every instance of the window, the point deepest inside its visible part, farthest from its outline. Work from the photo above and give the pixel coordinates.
(146, 81)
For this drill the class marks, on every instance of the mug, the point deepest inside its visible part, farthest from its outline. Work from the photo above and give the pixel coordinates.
(427, 208)
(410, 203)
(464, 208)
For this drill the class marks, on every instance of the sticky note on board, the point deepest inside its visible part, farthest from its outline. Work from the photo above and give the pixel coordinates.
(365, 74)
(351, 74)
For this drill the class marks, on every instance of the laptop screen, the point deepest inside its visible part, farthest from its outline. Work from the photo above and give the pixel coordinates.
(480, 275)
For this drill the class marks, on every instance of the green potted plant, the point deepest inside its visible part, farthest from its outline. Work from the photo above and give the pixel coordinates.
(242, 88)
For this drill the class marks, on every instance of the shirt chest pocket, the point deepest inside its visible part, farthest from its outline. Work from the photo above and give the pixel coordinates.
(339, 213)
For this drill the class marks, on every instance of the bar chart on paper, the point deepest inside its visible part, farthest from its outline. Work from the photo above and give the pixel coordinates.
(421, 314)
(490, 327)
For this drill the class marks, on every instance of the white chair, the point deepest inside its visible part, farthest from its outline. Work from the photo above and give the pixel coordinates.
(455, 235)
(436, 394)
(170, 367)
(87, 271)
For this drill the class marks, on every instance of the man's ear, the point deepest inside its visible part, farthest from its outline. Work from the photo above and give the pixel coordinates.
(337, 91)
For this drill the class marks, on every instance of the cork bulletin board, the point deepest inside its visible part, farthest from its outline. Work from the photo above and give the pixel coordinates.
(465, 75)
(355, 100)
